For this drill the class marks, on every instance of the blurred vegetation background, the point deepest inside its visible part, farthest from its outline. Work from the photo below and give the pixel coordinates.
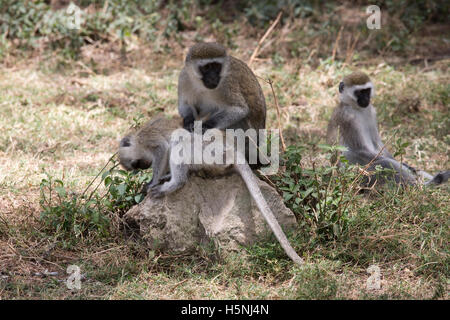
(308, 25)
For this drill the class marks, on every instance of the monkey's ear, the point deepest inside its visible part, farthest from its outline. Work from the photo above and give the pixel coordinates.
(341, 87)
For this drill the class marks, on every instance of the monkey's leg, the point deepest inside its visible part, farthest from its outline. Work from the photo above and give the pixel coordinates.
(226, 117)
(409, 167)
(360, 156)
(440, 178)
(401, 173)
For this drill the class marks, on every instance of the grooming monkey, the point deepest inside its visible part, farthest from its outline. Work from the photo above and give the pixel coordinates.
(152, 146)
(355, 120)
(216, 84)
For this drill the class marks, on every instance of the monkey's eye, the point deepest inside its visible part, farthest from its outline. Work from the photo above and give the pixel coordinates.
(341, 87)
(212, 67)
(125, 142)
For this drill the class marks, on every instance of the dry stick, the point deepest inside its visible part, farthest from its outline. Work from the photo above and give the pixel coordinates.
(336, 43)
(178, 284)
(98, 185)
(352, 50)
(270, 82)
(255, 52)
(21, 256)
(318, 191)
(283, 145)
(109, 160)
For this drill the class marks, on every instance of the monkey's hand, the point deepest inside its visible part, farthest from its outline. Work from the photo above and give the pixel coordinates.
(153, 183)
(188, 122)
(166, 177)
(208, 124)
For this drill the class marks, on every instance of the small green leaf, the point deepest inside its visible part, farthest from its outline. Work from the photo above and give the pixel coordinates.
(122, 188)
(61, 191)
(138, 198)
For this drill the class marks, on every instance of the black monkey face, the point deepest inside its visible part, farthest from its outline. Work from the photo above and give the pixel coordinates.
(134, 164)
(128, 157)
(363, 97)
(211, 74)
(140, 164)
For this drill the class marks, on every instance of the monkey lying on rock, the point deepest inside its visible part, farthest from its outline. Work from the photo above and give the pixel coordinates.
(157, 145)
(355, 120)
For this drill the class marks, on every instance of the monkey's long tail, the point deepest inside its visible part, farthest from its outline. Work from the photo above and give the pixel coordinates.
(252, 185)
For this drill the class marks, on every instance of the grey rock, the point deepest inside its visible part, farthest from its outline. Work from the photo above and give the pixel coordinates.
(219, 210)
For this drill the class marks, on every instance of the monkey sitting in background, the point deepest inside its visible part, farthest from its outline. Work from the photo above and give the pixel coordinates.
(356, 122)
(155, 145)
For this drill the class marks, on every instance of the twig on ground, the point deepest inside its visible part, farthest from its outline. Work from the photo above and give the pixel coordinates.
(270, 82)
(336, 43)
(264, 37)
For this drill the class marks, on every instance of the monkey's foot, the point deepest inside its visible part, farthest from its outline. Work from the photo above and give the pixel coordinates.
(157, 192)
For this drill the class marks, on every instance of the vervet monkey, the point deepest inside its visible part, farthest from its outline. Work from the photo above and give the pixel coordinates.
(222, 87)
(356, 122)
(154, 145)
(151, 152)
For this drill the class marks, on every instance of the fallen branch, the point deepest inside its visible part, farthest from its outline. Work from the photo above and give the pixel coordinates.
(270, 82)
(264, 37)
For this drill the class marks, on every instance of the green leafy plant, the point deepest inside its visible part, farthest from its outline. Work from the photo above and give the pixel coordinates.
(90, 214)
(30, 21)
(321, 196)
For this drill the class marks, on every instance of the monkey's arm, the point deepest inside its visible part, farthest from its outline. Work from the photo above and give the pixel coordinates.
(159, 165)
(332, 131)
(186, 111)
(226, 117)
(178, 178)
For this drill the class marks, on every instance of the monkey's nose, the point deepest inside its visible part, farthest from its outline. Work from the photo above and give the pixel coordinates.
(135, 164)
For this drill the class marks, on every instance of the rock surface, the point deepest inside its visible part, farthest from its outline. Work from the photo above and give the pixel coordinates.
(219, 209)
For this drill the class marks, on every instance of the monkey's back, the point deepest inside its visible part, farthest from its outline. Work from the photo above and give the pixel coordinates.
(160, 127)
(251, 91)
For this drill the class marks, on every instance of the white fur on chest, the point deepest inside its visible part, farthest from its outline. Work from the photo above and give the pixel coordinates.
(205, 100)
(365, 126)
